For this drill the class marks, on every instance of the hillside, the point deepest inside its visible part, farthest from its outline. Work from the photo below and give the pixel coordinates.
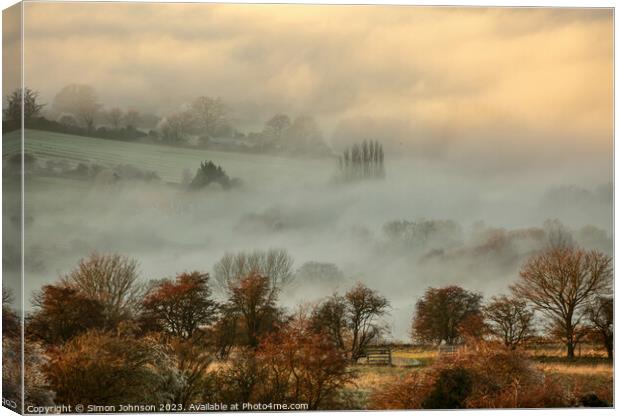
(169, 162)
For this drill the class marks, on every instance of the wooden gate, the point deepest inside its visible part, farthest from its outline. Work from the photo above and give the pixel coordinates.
(379, 355)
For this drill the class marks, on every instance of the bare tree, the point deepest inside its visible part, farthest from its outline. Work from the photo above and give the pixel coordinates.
(210, 113)
(561, 283)
(176, 127)
(276, 264)
(509, 320)
(114, 117)
(364, 306)
(112, 280)
(79, 100)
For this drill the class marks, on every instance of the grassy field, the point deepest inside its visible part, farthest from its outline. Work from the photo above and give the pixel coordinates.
(591, 372)
(169, 162)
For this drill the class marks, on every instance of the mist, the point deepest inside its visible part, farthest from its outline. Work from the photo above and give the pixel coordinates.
(483, 228)
(497, 125)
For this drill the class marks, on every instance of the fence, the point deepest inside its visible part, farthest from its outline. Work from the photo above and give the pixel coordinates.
(379, 355)
(448, 350)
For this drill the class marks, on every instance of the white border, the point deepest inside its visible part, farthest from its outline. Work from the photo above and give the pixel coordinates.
(475, 3)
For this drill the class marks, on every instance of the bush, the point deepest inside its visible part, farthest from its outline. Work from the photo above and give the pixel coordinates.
(209, 173)
(450, 389)
(103, 369)
(408, 392)
(292, 365)
(485, 378)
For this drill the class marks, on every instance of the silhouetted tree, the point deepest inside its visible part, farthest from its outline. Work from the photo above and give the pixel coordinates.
(13, 109)
(209, 173)
(363, 161)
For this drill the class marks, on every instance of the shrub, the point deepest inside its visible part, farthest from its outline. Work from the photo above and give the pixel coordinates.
(488, 377)
(292, 365)
(103, 369)
(209, 173)
(451, 388)
(408, 392)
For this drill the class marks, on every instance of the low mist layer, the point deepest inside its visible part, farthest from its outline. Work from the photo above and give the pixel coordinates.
(421, 226)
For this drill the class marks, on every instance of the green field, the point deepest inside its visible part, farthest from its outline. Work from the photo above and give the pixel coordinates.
(169, 162)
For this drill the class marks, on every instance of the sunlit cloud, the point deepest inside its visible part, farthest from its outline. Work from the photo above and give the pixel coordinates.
(438, 81)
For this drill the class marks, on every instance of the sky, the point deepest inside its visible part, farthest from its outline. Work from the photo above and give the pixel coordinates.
(490, 90)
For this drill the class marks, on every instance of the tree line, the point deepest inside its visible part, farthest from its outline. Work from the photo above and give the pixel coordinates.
(100, 335)
(365, 161)
(569, 287)
(76, 109)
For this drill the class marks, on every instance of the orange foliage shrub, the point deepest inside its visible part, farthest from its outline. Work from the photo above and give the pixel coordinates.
(496, 377)
(305, 366)
(291, 365)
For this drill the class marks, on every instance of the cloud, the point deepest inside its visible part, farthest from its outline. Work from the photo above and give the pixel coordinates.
(437, 81)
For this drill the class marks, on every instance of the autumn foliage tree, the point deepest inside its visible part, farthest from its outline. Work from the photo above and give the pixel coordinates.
(302, 366)
(254, 300)
(181, 306)
(561, 282)
(440, 313)
(61, 313)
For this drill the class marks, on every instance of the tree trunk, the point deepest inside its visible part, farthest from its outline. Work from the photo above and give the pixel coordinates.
(570, 350)
(609, 346)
